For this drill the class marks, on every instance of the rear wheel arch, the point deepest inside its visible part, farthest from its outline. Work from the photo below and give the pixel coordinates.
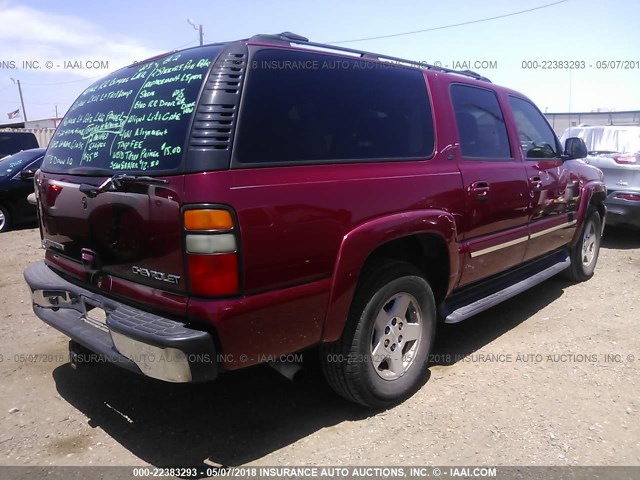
(401, 237)
(425, 251)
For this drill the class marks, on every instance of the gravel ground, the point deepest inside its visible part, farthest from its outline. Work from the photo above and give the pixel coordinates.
(547, 378)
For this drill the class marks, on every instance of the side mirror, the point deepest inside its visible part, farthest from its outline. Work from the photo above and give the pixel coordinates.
(574, 148)
(27, 174)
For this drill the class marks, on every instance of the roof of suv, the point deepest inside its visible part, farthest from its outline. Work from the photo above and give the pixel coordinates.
(295, 40)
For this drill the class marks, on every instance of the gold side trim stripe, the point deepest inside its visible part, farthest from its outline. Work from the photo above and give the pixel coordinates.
(510, 243)
(499, 246)
(553, 229)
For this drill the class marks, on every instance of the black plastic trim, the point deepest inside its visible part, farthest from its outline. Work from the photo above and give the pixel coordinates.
(480, 296)
(214, 121)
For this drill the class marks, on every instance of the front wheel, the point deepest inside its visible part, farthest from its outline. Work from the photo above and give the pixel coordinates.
(584, 254)
(382, 355)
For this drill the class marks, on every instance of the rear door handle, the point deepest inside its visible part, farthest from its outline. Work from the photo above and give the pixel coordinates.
(536, 183)
(480, 190)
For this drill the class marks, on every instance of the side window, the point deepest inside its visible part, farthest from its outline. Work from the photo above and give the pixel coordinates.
(35, 165)
(481, 127)
(537, 140)
(309, 107)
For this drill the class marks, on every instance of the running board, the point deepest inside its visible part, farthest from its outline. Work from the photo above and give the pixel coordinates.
(466, 311)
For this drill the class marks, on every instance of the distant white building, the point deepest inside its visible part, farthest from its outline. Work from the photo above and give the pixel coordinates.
(44, 123)
(42, 129)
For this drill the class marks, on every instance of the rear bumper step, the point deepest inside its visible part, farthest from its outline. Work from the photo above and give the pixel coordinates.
(130, 338)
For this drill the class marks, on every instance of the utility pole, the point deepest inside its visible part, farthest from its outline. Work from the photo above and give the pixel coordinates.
(198, 28)
(570, 101)
(24, 113)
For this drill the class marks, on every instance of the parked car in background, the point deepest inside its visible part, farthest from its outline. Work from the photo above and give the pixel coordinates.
(16, 184)
(12, 142)
(616, 151)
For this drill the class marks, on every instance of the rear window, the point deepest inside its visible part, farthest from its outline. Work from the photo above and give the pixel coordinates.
(314, 108)
(14, 142)
(135, 120)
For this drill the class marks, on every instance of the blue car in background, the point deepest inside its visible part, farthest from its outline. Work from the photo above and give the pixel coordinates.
(16, 184)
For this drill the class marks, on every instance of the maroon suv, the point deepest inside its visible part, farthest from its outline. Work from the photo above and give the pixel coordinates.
(226, 205)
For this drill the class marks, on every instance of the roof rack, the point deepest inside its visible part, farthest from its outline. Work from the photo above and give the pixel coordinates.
(288, 38)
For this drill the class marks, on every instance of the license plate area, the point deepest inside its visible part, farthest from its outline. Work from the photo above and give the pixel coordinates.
(93, 314)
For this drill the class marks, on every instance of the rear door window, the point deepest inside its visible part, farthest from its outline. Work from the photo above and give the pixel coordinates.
(305, 107)
(135, 120)
(481, 127)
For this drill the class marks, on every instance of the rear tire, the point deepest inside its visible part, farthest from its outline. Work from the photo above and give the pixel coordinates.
(5, 219)
(382, 355)
(584, 254)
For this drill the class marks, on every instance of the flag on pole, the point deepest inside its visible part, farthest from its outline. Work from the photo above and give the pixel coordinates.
(14, 114)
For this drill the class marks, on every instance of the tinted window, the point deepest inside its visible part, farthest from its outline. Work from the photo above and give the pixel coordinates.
(537, 139)
(11, 142)
(481, 127)
(136, 119)
(308, 107)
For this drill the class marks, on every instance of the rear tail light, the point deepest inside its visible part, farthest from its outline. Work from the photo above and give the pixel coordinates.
(213, 275)
(53, 191)
(204, 219)
(208, 244)
(627, 159)
(632, 197)
(211, 246)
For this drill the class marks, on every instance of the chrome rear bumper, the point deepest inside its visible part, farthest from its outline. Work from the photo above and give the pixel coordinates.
(139, 341)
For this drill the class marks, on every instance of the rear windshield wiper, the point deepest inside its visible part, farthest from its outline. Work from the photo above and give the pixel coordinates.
(115, 183)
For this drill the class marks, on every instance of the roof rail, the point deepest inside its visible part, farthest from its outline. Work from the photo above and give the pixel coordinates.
(288, 38)
(284, 37)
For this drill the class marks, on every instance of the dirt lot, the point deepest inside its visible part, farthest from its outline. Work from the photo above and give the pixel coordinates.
(548, 378)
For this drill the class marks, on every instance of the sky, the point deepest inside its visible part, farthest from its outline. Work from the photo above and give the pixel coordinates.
(57, 49)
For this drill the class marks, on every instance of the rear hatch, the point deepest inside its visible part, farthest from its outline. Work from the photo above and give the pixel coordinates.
(111, 184)
(621, 169)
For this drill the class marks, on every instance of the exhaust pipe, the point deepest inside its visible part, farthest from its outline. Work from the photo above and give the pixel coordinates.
(288, 370)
